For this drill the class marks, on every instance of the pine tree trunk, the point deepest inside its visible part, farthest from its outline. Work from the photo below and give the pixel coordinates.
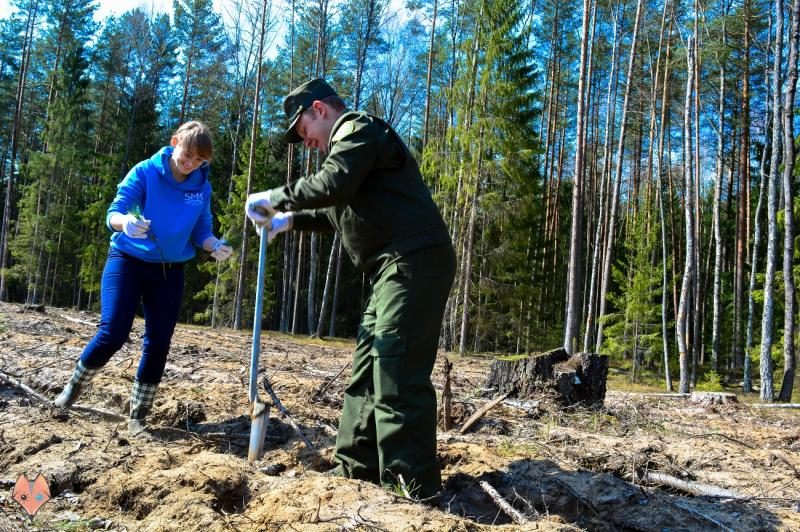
(602, 222)
(609, 244)
(326, 291)
(428, 76)
(336, 283)
(313, 268)
(5, 233)
(296, 304)
(660, 194)
(574, 275)
(744, 200)
(789, 362)
(254, 129)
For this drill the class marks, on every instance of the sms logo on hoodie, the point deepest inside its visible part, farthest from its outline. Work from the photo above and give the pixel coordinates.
(194, 199)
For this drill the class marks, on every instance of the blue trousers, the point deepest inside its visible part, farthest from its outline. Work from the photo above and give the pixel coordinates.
(126, 281)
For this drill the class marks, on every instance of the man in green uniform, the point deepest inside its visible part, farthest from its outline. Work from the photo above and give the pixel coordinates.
(370, 190)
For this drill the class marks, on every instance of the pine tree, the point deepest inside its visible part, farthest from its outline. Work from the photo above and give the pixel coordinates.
(50, 224)
(203, 52)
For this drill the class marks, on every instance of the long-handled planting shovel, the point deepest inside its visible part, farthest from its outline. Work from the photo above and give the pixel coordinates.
(259, 417)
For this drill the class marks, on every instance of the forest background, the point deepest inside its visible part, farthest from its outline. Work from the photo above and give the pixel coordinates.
(617, 175)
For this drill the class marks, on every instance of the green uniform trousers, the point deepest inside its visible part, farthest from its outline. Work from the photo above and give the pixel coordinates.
(388, 425)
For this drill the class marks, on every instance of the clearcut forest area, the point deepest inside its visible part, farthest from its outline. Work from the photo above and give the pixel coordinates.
(558, 469)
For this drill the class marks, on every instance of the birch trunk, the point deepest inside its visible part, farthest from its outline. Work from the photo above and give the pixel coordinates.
(747, 377)
(766, 364)
(688, 271)
(715, 320)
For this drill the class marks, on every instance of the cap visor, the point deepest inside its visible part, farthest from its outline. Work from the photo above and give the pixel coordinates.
(291, 136)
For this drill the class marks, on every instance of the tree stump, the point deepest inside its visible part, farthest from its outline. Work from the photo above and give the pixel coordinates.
(713, 398)
(572, 380)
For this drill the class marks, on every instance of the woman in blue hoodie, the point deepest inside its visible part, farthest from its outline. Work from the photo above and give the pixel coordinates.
(161, 212)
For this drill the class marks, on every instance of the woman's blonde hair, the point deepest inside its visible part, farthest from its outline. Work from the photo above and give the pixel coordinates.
(196, 137)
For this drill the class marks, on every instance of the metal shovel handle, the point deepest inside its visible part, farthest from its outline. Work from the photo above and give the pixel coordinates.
(256, 348)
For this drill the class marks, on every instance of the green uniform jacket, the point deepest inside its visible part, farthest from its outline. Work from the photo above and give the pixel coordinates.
(370, 190)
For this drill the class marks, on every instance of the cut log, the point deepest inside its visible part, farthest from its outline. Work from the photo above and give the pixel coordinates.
(713, 398)
(577, 379)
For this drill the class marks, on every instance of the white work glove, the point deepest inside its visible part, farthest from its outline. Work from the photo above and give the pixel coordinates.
(221, 250)
(281, 222)
(258, 207)
(135, 227)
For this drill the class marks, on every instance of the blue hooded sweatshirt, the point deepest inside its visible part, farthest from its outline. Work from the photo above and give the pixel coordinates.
(179, 213)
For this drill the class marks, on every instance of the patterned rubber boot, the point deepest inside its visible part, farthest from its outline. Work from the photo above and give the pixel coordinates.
(80, 378)
(142, 397)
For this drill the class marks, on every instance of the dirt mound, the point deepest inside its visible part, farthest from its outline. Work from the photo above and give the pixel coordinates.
(164, 493)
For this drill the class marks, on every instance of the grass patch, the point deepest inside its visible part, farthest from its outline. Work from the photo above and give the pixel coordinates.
(513, 448)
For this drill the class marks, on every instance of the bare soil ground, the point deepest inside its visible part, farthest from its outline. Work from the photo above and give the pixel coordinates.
(576, 469)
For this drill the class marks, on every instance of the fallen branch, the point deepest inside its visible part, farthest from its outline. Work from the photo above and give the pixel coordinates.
(8, 379)
(277, 402)
(481, 412)
(777, 405)
(702, 516)
(694, 488)
(331, 381)
(509, 510)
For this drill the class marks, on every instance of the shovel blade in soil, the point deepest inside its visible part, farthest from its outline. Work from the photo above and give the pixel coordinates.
(259, 419)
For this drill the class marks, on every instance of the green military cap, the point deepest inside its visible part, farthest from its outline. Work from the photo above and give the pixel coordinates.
(301, 99)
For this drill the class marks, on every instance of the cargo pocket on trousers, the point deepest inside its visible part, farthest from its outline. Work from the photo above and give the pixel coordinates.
(389, 351)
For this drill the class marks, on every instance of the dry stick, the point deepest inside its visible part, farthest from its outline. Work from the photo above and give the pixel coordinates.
(331, 381)
(44, 400)
(665, 395)
(76, 320)
(517, 517)
(268, 387)
(447, 395)
(481, 412)
(694, 488)
(719, 434)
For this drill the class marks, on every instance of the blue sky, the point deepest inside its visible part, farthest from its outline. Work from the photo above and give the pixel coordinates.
(112, 7)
